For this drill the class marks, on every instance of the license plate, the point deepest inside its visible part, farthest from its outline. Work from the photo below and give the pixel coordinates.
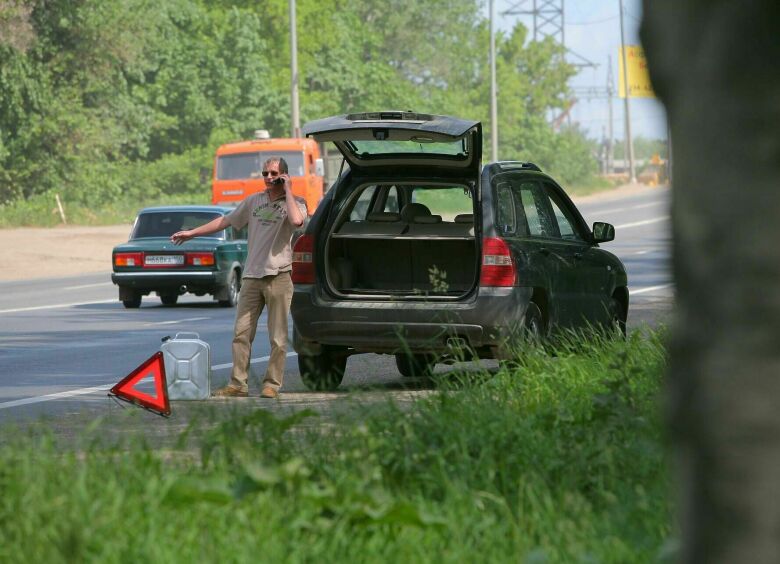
(157, 260)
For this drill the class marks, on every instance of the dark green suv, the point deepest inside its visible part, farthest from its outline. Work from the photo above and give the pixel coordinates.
(420, 251)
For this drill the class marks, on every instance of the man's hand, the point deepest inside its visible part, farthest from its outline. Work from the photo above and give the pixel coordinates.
(287, 182)
(180, 236)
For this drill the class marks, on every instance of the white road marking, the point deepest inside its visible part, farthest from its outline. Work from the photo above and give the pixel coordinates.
(615, 210)
(57, 306)
(106, 387)
(650, 289)
(644, 222)
(643, 252)
(87, 286)
(175, 321)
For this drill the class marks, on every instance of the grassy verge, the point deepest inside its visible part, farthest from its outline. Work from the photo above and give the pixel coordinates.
(592, 185)
(558, 460)
(42, 210)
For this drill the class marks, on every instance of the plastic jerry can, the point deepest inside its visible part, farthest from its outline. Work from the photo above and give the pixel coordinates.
(187, 367)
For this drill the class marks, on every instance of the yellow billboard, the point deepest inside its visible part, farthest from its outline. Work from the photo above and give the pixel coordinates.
(638, 76)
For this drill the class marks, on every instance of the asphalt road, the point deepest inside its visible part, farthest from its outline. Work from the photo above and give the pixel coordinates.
(64, 342)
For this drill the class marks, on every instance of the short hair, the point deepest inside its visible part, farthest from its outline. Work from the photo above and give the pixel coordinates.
(282, 164)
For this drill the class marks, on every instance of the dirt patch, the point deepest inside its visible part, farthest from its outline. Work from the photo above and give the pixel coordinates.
(41, 252)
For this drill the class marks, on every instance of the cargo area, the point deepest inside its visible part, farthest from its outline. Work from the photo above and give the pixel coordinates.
(401, 254)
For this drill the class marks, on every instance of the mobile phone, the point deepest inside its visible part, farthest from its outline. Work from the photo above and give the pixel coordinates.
(278, 180)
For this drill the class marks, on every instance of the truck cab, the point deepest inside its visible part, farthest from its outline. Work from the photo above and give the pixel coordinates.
(238, 167)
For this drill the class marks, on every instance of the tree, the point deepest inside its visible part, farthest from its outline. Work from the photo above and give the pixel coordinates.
(716, 67)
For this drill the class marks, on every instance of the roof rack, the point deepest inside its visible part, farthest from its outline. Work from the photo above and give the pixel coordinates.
(513, 165)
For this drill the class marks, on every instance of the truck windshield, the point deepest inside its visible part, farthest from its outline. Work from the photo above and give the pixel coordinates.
(165, 224)
(242, 166)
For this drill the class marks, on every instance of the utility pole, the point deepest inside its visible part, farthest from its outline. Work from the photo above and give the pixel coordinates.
(629, 140)
(296, 120)
(493, 90)
(610, 93)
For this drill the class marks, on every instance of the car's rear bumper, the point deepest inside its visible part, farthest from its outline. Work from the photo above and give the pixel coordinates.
(482, 323)
(159, 280)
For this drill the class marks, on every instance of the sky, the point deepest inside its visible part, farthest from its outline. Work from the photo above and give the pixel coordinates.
(592, 30)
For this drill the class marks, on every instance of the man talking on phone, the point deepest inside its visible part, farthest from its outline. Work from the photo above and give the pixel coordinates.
(272, 216)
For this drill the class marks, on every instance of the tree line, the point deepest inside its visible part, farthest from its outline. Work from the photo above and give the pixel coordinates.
(108, 99)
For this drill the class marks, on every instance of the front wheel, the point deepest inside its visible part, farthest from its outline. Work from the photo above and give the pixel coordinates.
(324, 371)
(415, 365)
(617, 320)
(169, 299)
(231, 290)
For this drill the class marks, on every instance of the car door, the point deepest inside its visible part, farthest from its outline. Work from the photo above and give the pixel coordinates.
(589, 273)
(523, 220)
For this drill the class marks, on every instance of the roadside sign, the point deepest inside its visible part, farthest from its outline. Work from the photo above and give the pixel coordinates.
(153, 367)
(639, 85)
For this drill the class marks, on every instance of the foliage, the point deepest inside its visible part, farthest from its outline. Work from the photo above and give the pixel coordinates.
(104, 100)
(559, 459)
(644, 148)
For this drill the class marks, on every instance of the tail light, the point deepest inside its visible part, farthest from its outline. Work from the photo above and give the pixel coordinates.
(498, 269)
(303, 263)
(199, 259)
(129, 259)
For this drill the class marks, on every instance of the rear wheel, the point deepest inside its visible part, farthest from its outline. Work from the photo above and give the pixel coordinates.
(169, 299)
(415, 365)
(132, 300)
(232, 290)
(323, 371)
(533, 324)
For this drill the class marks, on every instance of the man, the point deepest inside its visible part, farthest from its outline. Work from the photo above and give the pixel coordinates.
(272, 216)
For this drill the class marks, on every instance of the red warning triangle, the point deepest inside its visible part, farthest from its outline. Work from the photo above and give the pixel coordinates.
(154, 367)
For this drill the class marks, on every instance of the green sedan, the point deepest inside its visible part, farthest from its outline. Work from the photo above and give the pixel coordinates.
(149, 262)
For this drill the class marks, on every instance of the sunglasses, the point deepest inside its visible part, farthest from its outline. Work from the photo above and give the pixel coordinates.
(271, 173)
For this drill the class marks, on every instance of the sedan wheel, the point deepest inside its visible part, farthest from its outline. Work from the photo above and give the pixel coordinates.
(415, 365)
(233, 290)
(134, 302)
(323, 371)
(617, 322)
(169, 299)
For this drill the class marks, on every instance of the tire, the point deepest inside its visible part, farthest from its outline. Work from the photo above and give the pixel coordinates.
(324, 371)
(415, 365)
(134, 302)
(533, 324)
(617, 321)
(233, 288)
(169, 299)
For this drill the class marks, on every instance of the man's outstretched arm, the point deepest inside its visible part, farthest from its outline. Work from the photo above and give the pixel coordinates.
(217, 224)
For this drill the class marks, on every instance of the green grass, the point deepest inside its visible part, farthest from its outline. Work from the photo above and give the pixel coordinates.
(560, 459)
(592, 185)
(42, 211)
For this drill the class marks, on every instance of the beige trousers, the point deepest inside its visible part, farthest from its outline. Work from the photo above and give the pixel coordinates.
(275, 292)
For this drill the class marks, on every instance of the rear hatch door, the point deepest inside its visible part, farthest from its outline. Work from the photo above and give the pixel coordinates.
(372, 140)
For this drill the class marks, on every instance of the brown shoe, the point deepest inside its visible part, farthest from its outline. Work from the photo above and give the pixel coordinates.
(269, 392)
(230, 392)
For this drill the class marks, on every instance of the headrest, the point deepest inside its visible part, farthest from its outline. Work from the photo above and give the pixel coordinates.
(464, 218)
(413, 210)
(427, 219)
(385, 217)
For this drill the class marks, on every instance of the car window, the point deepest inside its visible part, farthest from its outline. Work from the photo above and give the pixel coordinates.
(392, 202)
(534, 203)
(165, 224)
(563, 217)
(240, 234)
(446, 201)
(505, 209)
(249, 165)
(363, 204)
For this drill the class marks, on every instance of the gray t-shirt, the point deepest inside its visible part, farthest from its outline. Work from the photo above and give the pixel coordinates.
(269, 236)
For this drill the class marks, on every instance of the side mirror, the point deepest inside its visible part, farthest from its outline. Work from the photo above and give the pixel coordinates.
(319, 167)
(603, 232)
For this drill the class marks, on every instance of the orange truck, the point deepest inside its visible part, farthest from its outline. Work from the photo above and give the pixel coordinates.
(238, 167)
